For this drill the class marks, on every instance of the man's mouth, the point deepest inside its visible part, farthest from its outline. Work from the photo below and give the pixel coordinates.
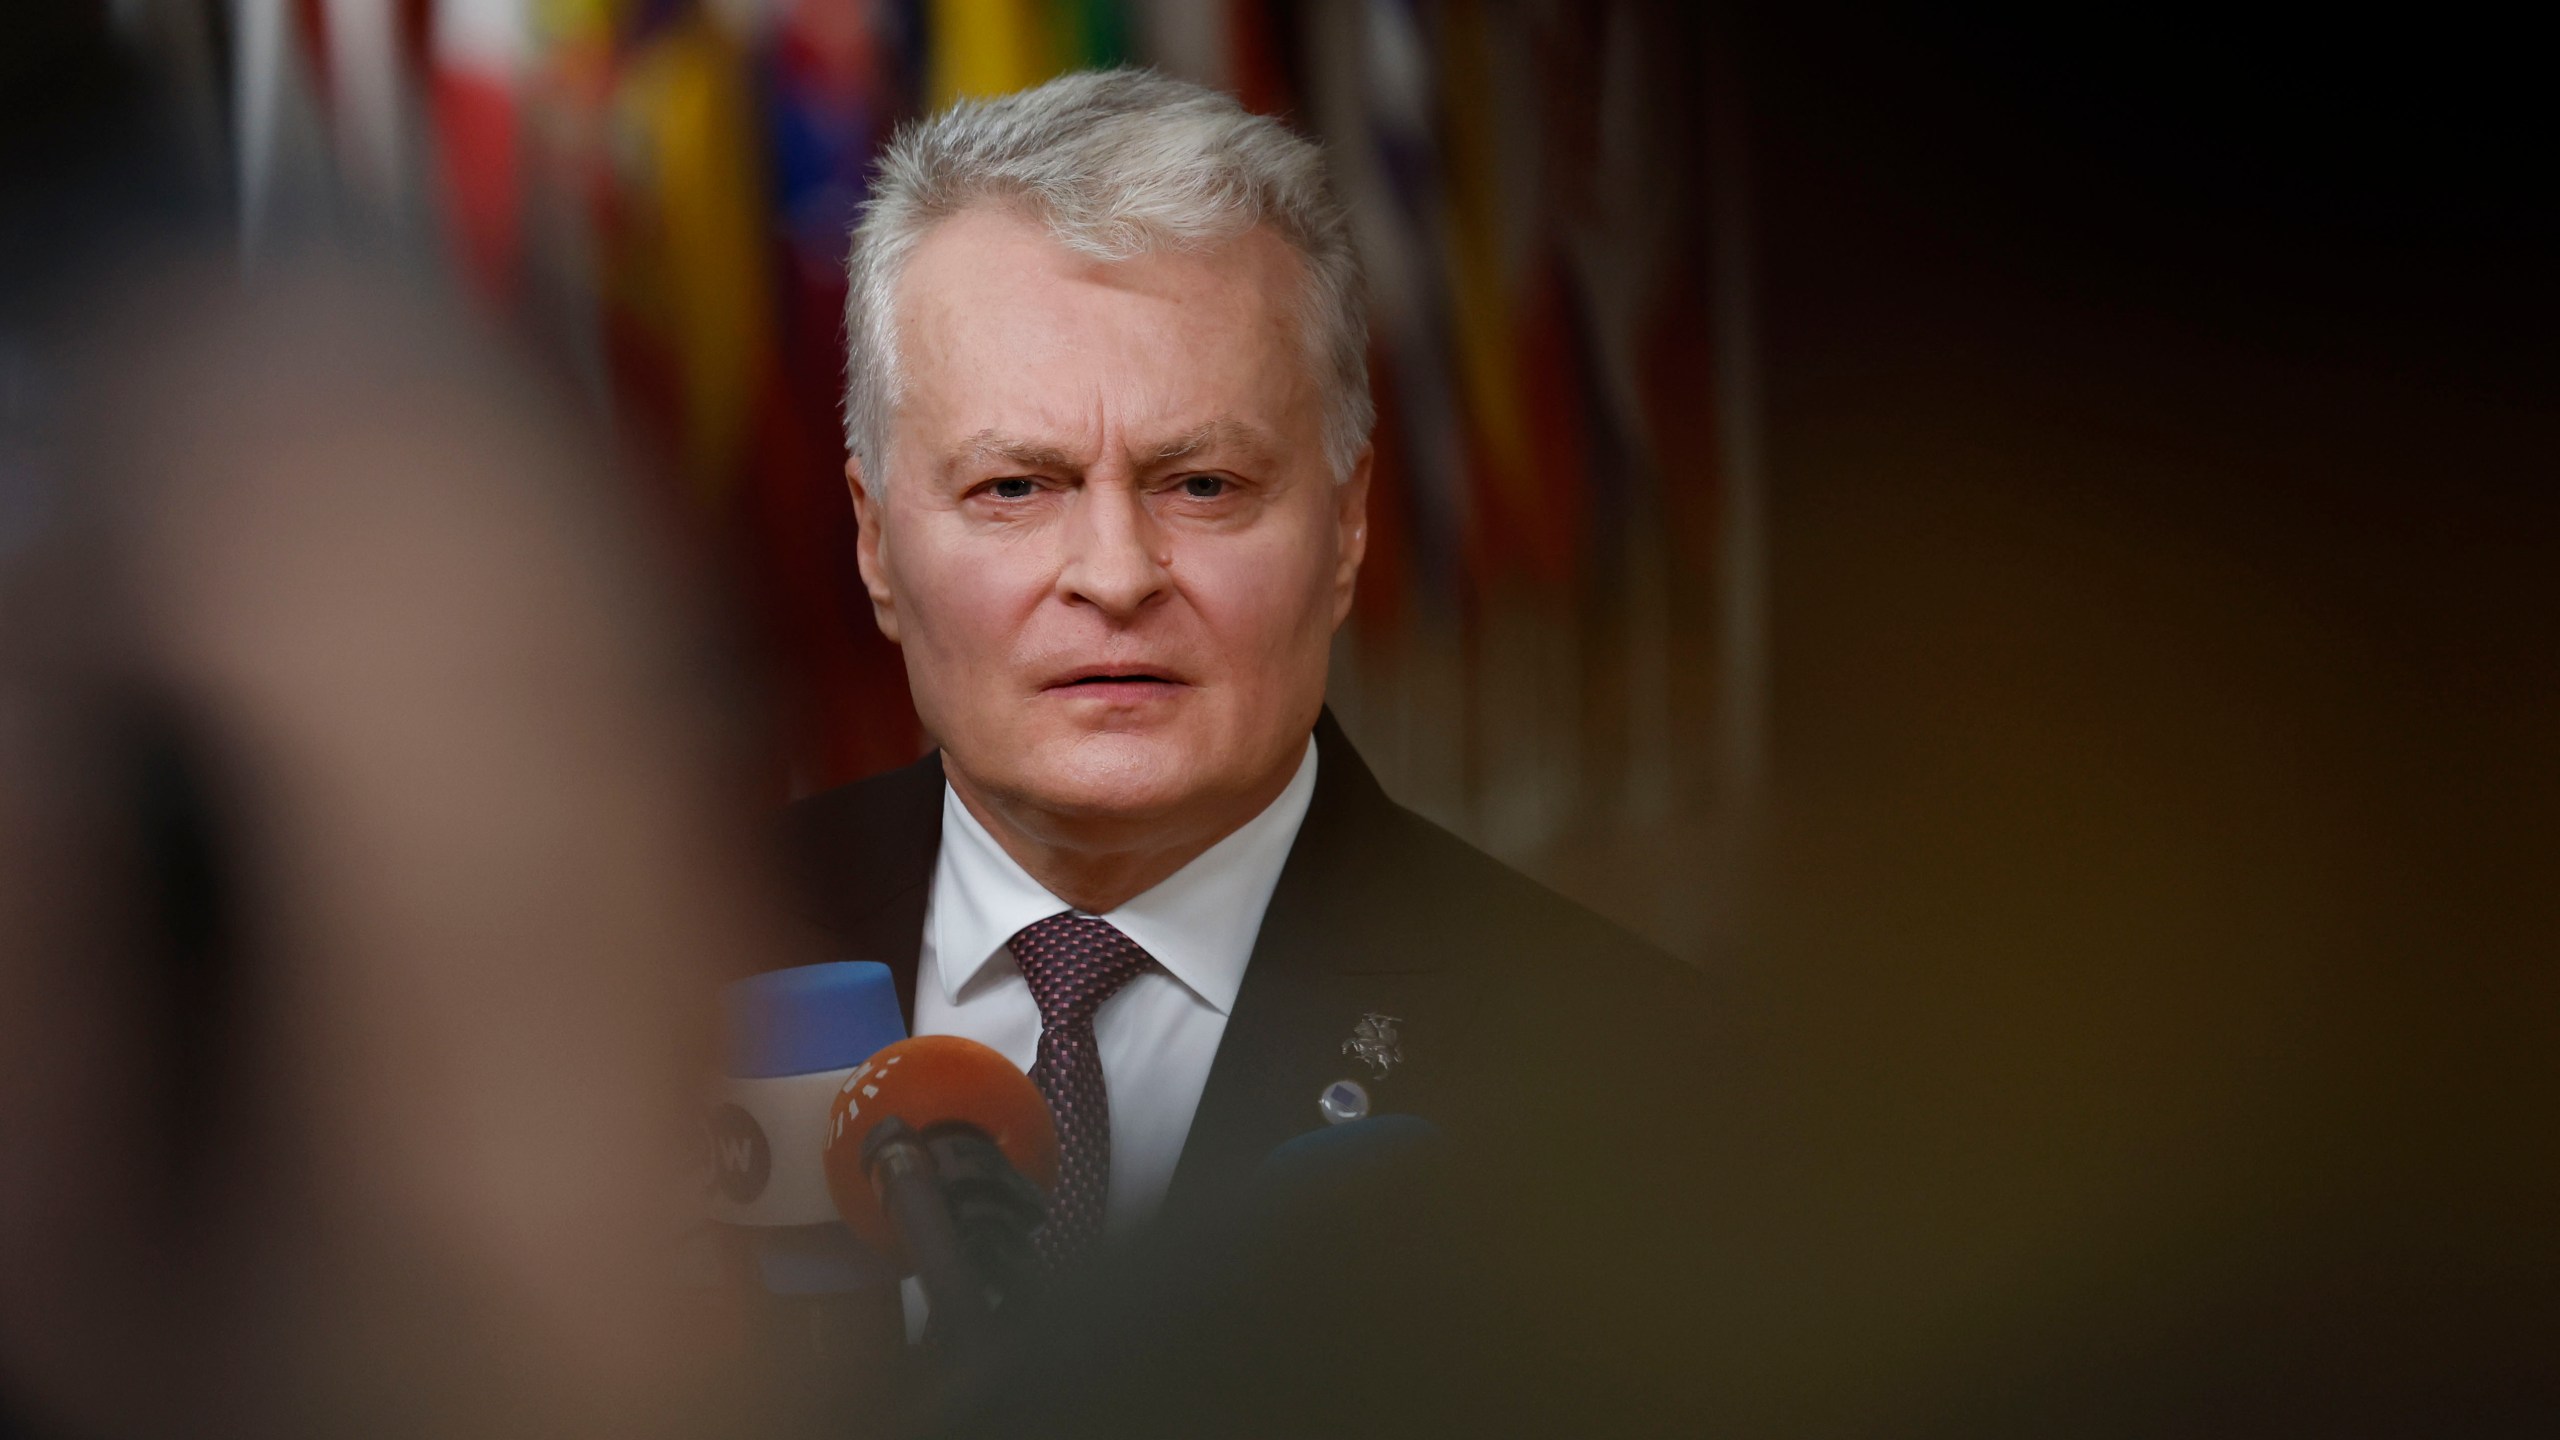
(1116, 678)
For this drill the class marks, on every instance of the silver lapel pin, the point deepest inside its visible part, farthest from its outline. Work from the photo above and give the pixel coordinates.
(1374, 1043)
(1343, 1101)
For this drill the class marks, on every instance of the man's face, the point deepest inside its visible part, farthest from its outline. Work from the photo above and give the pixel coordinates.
(1108, 541)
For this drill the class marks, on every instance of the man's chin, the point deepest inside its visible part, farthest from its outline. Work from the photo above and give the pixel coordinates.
(1131, 775)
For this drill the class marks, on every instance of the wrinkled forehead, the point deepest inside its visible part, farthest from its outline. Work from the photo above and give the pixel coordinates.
(1003, 329)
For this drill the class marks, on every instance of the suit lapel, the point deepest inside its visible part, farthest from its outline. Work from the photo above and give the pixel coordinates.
(1329, 951)
(865, 858)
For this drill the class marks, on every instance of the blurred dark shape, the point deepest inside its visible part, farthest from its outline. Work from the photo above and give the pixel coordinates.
(1385, 1278)
(370, 845)
(2154, 950)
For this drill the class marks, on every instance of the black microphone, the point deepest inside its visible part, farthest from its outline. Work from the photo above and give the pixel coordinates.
(1320, 1162)
(940, 1155)
(1292, 1292)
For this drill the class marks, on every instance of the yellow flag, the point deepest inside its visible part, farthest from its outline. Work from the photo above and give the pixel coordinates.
(1481, 310)
(687, 98)
(990, 47)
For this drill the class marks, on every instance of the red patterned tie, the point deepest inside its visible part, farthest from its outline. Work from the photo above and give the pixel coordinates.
(1075, 962)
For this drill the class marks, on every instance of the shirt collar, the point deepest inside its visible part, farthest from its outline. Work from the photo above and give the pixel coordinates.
(1199, 922)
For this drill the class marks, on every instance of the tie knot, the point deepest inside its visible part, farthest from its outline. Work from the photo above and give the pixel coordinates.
(1074, 963)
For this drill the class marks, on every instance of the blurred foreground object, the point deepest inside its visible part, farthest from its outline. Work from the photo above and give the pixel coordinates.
(364, 869)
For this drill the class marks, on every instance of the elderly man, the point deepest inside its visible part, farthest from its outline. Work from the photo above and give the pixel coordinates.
(1108, 411)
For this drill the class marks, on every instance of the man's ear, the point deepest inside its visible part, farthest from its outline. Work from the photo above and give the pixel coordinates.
(1351, 531)
(867, 516)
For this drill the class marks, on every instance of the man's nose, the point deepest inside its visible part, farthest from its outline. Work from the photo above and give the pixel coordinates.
(1113, 561)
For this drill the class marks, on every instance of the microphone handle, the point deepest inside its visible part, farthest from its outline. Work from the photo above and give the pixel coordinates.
(994, 1211)
(909, 1184)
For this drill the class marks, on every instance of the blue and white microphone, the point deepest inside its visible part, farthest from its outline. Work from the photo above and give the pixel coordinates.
(793, 1036)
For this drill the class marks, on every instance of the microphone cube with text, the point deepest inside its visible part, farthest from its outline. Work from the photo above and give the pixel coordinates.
(794, 1037)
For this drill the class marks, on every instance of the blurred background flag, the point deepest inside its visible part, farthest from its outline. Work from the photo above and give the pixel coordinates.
(478, 58)
(695, 240)
(991, 47)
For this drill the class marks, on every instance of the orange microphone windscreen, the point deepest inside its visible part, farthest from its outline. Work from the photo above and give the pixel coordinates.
(933, 1080)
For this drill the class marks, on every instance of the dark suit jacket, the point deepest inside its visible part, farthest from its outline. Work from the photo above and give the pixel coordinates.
(1568, 1059)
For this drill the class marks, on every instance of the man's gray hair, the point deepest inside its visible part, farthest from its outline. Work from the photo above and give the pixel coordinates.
(1115, 162)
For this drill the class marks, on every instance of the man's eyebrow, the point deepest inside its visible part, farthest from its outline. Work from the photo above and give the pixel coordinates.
(1220, 434)
(1029, 454)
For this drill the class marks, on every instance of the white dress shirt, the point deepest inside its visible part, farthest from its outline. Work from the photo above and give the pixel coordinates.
(1160, 1032)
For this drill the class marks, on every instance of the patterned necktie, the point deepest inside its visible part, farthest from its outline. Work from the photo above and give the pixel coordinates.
(1075, 962)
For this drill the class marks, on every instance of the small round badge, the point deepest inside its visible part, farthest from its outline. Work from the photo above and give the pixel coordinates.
(1343, 1100)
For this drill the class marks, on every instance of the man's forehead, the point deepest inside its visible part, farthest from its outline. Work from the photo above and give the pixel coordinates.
(1020, 354)
(973, 271)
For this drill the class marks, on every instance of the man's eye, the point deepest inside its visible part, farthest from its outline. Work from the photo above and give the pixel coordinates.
(1204, 487)
(1014, 487)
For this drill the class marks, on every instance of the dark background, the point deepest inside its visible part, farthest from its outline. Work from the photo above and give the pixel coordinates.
(2153, 959)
